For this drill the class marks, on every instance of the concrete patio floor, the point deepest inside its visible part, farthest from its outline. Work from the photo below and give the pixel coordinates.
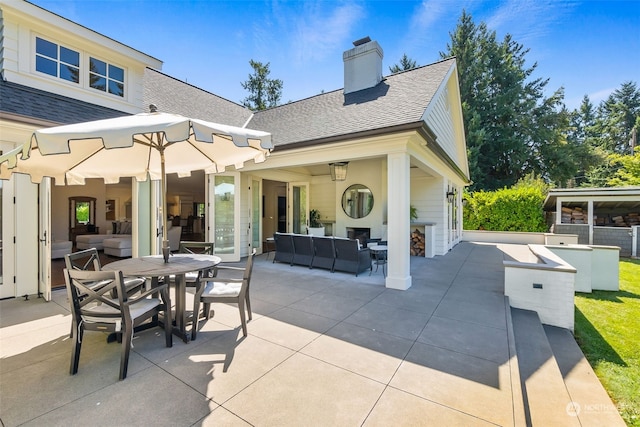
(323, 349)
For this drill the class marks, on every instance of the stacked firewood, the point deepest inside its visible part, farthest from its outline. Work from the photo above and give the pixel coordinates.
(578, 216)
(626, 220)
(417, 243)
(573, 216)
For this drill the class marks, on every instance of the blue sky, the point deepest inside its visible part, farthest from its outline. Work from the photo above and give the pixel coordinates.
(588, 47)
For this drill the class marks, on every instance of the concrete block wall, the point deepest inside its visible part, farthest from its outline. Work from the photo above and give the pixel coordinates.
(582, 230)
(579, 257)
(605, 268)
(545, 286)
(614, 236)
(553, 302)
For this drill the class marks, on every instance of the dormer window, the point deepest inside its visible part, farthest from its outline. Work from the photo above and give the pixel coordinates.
(106, 77)
(79, 67)
(57, 61)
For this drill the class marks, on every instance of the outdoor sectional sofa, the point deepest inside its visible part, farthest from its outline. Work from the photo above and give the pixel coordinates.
(331, 253)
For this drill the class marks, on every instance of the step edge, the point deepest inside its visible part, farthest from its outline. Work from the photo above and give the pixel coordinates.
(517, 397)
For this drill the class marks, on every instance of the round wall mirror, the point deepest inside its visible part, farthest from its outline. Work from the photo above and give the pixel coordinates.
(357, 201)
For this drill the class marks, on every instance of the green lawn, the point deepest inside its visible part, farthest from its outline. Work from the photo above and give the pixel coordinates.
(607, 329)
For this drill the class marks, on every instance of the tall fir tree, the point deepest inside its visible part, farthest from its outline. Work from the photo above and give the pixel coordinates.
(510, 127)
(405, 64)
(609, 134)
(263, 92)
(617, 116)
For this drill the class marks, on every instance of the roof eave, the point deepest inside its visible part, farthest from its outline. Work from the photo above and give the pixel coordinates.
(420, 126)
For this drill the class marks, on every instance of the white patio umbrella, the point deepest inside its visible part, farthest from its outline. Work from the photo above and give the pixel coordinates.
(143, 146)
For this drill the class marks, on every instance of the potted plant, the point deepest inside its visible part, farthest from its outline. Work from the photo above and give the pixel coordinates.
(413, 213)
(315, 225)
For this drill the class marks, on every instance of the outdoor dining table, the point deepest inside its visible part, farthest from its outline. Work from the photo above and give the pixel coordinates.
(153, 267)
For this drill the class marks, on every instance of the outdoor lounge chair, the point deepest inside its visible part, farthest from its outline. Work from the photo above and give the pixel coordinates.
(93, 309)
(284, 247)
(324, 253)
(226, 290)
(302, 250)
(351, 258)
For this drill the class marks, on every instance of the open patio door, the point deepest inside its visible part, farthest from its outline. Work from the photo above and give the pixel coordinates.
(224, 215)
(44, 239)
(7, 287)
(255, 213)
(298, 207)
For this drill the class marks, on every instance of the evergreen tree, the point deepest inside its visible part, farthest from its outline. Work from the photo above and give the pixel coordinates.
(616, 118)
(581, 135)
(609, 135)
(263, 91)
(405, 64)
(511, 129)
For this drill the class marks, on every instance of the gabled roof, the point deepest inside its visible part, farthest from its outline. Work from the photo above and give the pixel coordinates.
(400, 99)
(171, 95)
(30, 103)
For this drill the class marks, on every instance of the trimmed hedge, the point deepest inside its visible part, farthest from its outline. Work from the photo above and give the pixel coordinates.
(510, 209)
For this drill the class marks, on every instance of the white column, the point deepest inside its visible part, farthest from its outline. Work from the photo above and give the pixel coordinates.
(558, 211)
(398, 179)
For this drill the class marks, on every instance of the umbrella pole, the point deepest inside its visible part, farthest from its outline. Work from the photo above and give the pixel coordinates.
(166, 250)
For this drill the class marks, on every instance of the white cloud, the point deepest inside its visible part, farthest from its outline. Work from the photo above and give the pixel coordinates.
(426, 15)
(527, 20)
(424, 21)
(601, 95)
(319, 31)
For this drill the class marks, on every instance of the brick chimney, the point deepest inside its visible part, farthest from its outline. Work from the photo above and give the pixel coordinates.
(362, 65)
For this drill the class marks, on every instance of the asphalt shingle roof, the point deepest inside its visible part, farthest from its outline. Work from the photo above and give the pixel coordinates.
(399, 99)
(171, 95)
(30, 102)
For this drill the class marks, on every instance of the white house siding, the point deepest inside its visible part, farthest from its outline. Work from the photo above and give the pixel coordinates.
(439, 120)
(428, 197)
(373, 174)
(323, 197)
(20, 26)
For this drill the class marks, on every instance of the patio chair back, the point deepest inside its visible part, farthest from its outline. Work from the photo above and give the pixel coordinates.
(202, 248)
(94, 309)
(87, 259)
(225, 290)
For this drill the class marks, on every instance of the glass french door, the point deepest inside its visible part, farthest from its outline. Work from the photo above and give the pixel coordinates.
(224, 214)
(44, 246)
(255, 222)
(5, 289)
(298, 207)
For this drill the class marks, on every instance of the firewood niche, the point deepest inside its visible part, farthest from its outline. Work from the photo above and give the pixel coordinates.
(421, 241)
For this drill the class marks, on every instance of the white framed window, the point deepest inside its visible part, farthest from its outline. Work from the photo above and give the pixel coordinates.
(79, 67)
(57, 60)
(106, 77)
